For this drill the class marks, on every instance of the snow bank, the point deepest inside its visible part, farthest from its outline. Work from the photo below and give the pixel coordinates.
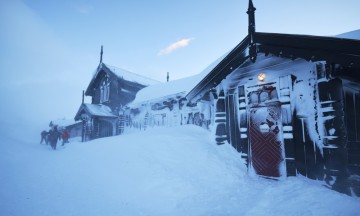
(167, 171)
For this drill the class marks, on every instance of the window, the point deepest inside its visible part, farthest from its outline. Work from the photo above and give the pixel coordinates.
(273, 94)
(254, 98)
(264, 96)
(104, 91)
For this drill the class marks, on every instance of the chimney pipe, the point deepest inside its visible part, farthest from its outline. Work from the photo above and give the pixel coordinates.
(83, 95)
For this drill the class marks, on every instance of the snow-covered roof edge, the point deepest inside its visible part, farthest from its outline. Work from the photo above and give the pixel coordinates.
(122, 74)
(173, 88)
(95, 110)
(131, 76)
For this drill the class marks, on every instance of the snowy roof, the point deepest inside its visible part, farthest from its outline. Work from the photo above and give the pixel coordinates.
(99, 110)
(308, 47)
(95, 110)
(130, 76)
(120, 73)
(64, 122)
(178, 87)
(164, 90)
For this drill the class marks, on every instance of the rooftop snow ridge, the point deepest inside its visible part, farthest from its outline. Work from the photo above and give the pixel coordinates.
(131, 76)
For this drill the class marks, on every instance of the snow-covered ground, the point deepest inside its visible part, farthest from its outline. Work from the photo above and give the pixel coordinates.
(171, 171)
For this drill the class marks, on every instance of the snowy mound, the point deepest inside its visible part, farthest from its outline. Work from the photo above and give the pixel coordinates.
(350, 35)
(164, 171)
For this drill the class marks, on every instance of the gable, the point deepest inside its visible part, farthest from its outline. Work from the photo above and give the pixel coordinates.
(115, 73)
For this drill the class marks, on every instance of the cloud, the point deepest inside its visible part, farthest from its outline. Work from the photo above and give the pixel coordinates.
(174, 46)
(85, 9)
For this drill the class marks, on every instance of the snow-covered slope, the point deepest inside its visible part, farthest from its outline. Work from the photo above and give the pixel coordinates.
(350, 35)
(171, 171)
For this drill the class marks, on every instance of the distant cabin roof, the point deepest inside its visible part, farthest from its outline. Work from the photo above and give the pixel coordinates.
(166, 90)
(121, 74)
(173, 88)
(95, 110)
(99, 110)
(64, 122)
(130, 76)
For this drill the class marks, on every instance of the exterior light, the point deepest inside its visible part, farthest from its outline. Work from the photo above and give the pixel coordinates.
(261, 76)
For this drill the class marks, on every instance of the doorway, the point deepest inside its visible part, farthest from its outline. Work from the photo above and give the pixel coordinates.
(265, 131)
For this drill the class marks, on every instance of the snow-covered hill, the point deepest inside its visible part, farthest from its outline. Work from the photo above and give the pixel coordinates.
(172, 171)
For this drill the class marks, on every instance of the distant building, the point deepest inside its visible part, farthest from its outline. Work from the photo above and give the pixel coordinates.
(110, 89)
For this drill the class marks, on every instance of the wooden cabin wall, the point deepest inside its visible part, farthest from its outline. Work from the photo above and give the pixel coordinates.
(121, 91)
(107, 78)
(75, 130)
(352, 119)
(221, 133)
(333, 104)
(243, 141)
(126, 91)
(285, 91)
(233, 131)
(303, 155)
(352, 122)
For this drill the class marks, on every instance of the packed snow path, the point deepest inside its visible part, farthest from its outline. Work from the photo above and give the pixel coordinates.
(171, 171)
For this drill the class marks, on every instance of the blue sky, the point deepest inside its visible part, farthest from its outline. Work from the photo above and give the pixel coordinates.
(55, 45)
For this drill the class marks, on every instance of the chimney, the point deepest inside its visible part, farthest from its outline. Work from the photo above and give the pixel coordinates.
(251, 33)
(167, 77)
(101, 54)
(83, 95)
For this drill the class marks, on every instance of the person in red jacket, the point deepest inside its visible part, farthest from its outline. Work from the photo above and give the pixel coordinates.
(65, 137)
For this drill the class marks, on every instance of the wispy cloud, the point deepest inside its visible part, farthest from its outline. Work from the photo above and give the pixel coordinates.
(174, 46)
(84, 9)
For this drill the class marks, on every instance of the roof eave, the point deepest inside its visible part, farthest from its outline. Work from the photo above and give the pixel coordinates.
(345, 52)
(311, 48)
(234, 59)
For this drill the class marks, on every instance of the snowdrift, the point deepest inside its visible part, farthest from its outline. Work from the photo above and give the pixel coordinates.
(163, 171)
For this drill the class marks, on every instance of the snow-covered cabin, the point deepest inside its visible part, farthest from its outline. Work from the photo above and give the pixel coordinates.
(164, 104)
(110, 89)
(289, 104)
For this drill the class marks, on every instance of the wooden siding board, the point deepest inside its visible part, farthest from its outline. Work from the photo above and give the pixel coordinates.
(300, 156)
(350, 116)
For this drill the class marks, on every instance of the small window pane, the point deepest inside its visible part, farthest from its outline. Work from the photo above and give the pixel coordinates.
(264, 96)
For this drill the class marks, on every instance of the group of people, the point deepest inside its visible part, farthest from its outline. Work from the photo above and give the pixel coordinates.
(53, 135)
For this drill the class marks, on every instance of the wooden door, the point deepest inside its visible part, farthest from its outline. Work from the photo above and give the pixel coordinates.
(265, 128)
